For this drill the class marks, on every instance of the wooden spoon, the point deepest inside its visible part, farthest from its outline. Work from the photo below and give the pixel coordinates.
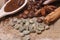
(3, 13)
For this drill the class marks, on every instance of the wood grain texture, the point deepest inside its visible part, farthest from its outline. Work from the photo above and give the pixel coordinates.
(2, 3)
(8, 33)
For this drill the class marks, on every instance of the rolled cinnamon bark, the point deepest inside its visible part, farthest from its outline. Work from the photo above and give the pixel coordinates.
(52, 16)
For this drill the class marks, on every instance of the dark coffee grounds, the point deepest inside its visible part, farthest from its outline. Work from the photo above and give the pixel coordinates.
(13, 5)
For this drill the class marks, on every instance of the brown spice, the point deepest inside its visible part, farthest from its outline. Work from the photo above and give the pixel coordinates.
(13, 5)
(24, 16)
(26, 12)
(46, 9)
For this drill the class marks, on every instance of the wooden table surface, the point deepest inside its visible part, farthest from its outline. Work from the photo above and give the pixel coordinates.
(52, 34)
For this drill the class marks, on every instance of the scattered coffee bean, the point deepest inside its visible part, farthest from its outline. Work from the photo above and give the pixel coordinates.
(31, 21)
(38, 32)
(47, 27)
(27, 37)
(25, 32)
(39, 20)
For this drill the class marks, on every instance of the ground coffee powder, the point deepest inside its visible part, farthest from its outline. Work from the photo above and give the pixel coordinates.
(13, 5)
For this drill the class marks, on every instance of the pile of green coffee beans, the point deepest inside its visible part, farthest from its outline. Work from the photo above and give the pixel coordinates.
(26, 26)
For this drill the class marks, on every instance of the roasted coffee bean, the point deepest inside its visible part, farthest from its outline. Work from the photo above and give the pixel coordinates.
(24, 16)
(20, 16)
(26, 12)
(30, 15)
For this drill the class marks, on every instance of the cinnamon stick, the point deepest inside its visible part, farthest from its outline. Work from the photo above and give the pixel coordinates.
(52, 16)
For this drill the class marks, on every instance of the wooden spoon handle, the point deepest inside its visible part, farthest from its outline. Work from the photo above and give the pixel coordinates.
(2, 13)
